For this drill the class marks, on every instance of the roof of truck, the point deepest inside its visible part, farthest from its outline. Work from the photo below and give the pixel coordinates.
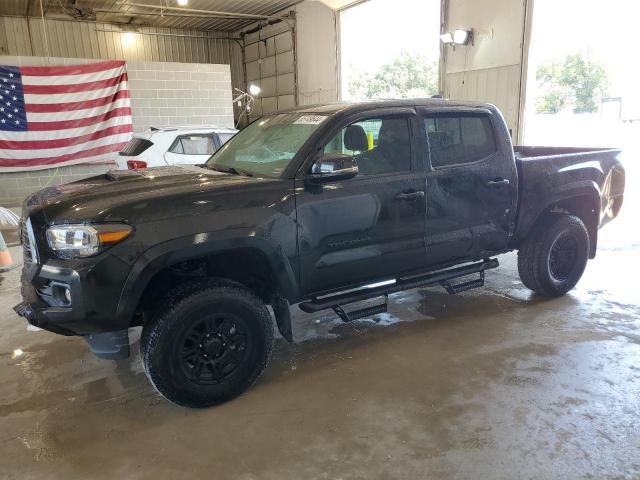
(354, 107)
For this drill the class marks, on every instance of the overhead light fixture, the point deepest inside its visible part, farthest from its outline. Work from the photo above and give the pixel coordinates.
(128, 38)
(461, 37)
(182, 3)
(254, 89)
(457, 37)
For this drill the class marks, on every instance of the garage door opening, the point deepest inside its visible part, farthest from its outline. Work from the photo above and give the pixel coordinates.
(581, 90)
(390, 52)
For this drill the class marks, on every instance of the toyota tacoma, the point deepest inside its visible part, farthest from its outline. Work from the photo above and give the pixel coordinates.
(310, 206)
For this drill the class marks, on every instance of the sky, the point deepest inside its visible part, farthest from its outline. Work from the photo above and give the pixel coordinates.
(375, 32)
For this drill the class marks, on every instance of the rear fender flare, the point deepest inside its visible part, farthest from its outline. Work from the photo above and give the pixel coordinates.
(587, 189)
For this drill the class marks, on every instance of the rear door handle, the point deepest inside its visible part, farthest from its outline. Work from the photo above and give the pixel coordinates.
(410, 195)
(498, 181)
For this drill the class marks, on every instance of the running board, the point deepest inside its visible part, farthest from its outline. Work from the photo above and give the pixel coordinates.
(442, 277)
(461, 287)
(365, 312)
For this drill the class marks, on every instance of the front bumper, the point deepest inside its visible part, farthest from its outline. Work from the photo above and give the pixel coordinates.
(41, 311)
(94, 289)
(104, 337)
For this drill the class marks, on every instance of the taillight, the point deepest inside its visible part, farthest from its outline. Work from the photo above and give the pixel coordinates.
(135, 164)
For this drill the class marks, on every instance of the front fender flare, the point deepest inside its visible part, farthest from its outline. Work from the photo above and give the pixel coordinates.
(193, 246)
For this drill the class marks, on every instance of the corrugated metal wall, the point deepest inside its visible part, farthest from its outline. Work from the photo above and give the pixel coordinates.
(269, 57)
(76, 39)
(499, 86)
(490, 69)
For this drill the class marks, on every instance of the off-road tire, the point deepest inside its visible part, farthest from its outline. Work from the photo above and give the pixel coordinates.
(536, 254)
(163, 339)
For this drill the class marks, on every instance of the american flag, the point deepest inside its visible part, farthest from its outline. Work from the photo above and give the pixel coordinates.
(62, 115)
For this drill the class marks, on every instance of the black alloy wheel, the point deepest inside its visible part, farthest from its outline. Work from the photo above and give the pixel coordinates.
(562, 257)
(554, 255)
(208, 343)
(212, 349)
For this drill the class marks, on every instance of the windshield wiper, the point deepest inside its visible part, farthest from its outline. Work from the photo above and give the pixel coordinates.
(234, 171)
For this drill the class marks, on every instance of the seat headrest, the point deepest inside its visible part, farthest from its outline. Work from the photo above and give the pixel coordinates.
(355, 138)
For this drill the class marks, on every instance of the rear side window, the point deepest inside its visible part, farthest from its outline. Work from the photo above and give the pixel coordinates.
(194, 145)
(135, 147)
(457, 139)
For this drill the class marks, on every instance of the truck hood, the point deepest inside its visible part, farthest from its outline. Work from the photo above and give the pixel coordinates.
(147, 194)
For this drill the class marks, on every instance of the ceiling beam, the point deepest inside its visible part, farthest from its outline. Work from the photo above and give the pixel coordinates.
(132, 13)
(207, 12)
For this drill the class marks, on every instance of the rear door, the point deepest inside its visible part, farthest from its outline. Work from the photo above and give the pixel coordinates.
(472, 185)
(373, 225)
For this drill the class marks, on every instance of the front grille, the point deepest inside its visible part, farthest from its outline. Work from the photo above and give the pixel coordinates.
(29, 249)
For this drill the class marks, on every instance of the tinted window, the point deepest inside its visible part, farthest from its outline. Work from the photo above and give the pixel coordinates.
(456, 139)
(380, 145)
(194, 145)
(135, 147)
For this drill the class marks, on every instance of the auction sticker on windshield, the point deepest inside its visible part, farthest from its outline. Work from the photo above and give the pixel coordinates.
(310, 120)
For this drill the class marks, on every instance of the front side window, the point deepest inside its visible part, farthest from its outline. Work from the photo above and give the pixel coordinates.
(379, 145)
(193, 145)
(459, 138)
(267, 146)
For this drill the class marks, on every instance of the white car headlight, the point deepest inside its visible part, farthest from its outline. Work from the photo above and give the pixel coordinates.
(70, 241)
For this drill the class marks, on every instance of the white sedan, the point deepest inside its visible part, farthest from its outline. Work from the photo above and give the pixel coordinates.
(172, 146)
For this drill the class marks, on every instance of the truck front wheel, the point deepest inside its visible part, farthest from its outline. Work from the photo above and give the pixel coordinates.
(207, 344)
(554, 257)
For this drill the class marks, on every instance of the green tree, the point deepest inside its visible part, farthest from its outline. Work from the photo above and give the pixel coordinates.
(577, 82)
(408, 75)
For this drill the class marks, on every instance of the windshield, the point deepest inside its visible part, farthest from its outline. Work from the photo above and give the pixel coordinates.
(266, 147)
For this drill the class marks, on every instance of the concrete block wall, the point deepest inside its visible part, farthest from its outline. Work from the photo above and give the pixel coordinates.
(162, 93)
(16, 186)
(177, 94)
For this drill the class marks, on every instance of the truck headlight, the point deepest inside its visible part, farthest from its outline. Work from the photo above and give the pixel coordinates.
(71, 241)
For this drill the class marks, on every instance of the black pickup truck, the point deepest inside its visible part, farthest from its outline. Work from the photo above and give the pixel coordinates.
(310, 206)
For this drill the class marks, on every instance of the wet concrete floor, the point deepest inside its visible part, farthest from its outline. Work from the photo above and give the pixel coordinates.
(492, 383)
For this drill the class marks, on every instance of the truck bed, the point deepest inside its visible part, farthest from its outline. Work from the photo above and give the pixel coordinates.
(527, 152)
(548, 176)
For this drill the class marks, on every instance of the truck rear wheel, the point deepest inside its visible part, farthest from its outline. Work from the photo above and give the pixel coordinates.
(554, 257)
(207, 344)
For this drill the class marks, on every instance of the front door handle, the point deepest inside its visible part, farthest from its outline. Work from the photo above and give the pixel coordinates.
(498, 181)
(410, 195)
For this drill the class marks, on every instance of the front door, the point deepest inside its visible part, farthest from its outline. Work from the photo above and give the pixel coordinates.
(371, 226)
(472, 186)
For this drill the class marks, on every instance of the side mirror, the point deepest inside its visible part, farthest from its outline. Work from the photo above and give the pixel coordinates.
(332, 167)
